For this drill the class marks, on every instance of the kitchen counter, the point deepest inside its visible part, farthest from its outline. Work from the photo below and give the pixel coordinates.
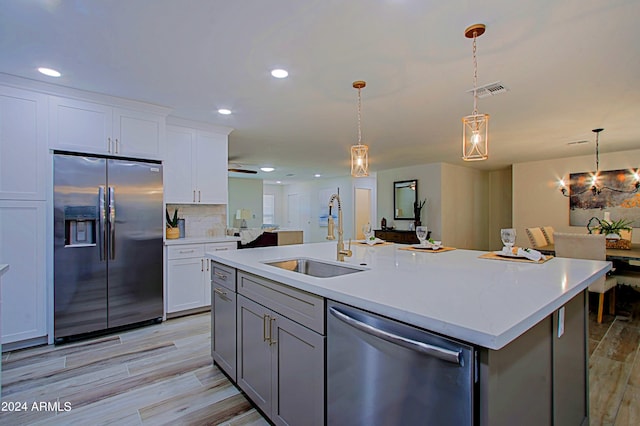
(3, 268)
(204, 240)
(481, 301)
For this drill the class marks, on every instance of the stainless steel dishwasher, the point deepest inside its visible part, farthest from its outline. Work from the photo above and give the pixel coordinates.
(383, 372)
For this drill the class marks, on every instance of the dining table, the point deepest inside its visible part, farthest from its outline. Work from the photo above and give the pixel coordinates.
(613, 254)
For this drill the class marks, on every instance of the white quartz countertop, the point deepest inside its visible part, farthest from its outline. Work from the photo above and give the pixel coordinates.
(201, 240)
(481, 301)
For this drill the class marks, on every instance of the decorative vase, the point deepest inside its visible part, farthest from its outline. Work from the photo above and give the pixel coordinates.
(173, 233)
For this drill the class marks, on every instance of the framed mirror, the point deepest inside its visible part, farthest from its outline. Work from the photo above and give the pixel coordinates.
(405, 194)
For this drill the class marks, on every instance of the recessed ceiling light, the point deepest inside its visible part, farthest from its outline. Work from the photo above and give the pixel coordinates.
(224, 111)
(50, 72)
(317, 175)
(278, 181)
(267, 169)
(279, 73)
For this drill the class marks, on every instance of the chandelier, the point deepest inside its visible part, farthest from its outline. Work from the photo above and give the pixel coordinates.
(475, 127)
(359, 152)
(596, 187)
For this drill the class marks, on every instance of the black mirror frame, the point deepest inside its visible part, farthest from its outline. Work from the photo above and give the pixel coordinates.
(401, 184)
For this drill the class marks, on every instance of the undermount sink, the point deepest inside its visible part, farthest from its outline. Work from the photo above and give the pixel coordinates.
(315, 268)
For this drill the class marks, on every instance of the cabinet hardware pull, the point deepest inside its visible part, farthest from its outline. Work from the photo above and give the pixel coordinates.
(109, 145)
(271, 341)
(222, 249)
(207, 265)
(187, 251)
(198, 195)
(220, 291)
(221, 276)
(201, 265)
(264, 327)
(194, 195)
(116, 144)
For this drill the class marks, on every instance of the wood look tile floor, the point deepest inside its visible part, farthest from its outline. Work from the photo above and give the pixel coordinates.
(159, 374)
(163, 374)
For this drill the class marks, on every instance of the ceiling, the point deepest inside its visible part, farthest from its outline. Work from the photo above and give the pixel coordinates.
(570, 66)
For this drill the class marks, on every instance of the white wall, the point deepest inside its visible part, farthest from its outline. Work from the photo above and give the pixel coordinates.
(537, 200)
(429, 187)
(313, 232)
(245, 194)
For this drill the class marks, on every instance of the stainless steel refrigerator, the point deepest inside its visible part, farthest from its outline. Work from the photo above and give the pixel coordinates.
(108, 227)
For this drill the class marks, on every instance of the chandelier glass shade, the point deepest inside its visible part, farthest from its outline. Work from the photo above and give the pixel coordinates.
(360, 151)
(475, 127)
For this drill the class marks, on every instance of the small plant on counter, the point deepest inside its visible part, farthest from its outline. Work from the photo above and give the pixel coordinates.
(172, 222)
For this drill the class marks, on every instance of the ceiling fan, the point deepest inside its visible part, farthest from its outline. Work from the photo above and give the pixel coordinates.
(239, 168)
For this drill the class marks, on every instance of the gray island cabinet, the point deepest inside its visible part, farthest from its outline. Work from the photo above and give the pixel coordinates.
(527, 324)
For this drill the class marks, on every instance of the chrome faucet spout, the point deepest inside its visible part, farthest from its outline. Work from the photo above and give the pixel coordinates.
(341, 252)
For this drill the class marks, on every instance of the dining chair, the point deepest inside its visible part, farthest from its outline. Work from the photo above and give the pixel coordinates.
(548, 233)
(536, 237)
(592, 247)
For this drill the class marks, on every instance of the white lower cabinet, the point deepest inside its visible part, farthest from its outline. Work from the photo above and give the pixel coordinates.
(188, 275)
(280, 363)
(22, 246)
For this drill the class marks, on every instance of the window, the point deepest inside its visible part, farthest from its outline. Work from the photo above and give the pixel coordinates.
(269, 208)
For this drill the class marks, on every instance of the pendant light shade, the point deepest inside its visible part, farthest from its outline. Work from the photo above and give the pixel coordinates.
(359, 152)
(475, 127)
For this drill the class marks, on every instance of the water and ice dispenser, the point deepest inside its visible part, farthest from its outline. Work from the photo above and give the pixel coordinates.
(80, 225)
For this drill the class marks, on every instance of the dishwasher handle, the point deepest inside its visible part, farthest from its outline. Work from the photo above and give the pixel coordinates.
(424, 348)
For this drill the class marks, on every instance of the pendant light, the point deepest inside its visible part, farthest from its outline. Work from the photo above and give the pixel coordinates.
(359, 152)
(475, 127)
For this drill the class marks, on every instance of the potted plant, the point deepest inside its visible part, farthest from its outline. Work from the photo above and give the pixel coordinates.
(612, 228)
(417, 211)
(172, 225)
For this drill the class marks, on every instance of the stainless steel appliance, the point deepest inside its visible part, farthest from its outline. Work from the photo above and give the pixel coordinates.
(383, 372)
(108, 225)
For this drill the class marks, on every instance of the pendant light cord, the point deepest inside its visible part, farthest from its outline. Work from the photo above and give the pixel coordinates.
(359, 127)
(475, 75)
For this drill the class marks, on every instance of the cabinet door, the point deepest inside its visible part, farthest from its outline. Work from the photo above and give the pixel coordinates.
(210, 164)
(185, 284)
(138, 134)
(298, 374)
(23, 149)
(254, 353)
(80, 126)
(22, 246)
(223, 329)
(179, 176)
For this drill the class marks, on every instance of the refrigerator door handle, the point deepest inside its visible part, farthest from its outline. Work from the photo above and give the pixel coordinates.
(102, 240)
(112, 223)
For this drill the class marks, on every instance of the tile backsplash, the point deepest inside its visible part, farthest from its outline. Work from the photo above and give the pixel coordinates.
(202, 220)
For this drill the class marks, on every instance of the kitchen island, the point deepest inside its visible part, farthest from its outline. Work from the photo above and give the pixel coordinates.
(528, 322)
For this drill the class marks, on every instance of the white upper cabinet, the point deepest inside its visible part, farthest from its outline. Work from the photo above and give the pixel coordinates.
(23, 149)
(89, 127)
(195, 166)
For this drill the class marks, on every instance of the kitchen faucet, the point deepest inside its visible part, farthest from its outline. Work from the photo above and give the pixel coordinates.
(341, 252)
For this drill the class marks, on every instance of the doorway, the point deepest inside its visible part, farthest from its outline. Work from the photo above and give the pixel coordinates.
(362, 211)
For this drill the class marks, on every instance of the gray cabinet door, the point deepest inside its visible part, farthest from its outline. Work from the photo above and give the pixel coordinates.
(223, 327)
(297, 374)
(254, 353)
